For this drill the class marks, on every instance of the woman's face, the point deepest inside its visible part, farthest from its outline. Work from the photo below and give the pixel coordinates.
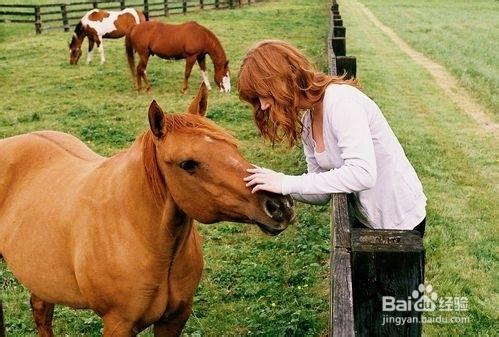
(266, 102)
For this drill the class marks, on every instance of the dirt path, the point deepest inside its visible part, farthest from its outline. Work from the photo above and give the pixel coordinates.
(444, 79)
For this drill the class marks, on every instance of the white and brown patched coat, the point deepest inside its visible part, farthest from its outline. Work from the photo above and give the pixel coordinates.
(98, 24)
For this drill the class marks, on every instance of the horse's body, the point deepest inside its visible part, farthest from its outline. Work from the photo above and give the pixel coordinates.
(98, 24)
(116, 234)
(189, 41)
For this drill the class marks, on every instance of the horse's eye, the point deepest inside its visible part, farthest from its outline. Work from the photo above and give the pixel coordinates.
(189, 166)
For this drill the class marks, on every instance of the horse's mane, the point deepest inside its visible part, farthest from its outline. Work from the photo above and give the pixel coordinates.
(77, 33)
(183, 123)
(79, 28)
(154, 177)
(191, 123)
(214, 46)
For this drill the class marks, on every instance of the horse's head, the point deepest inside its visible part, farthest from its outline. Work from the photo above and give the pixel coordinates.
(222, 77)
(74, 52)
(75, 45)
(204, 171)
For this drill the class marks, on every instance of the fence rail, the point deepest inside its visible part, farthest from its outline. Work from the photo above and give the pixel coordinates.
(44, 16)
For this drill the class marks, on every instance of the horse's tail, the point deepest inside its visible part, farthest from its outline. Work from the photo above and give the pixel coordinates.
(130, 52)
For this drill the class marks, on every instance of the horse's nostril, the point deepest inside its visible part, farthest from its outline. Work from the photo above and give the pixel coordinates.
(274, 209)
(271, 205)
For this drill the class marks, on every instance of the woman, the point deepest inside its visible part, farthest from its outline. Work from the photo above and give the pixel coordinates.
(348, 144)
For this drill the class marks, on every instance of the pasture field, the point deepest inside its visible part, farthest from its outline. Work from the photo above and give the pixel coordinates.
(254, 284)
(457, 34)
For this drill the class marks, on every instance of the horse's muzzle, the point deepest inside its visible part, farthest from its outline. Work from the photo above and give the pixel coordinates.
(280, 209)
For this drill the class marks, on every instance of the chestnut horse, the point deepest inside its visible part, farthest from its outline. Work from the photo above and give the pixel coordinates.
(98, 24)
(189, 41)
(116, 235)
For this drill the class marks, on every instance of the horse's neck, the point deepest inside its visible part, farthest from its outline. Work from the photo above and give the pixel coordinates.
(215, 50)
(178, 227)
(172, 223)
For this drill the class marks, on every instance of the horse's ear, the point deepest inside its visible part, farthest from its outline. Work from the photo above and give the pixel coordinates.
(227, 64)
(156, 120)
(199, 105)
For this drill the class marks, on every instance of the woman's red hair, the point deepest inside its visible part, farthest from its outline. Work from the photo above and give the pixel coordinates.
(276, 69)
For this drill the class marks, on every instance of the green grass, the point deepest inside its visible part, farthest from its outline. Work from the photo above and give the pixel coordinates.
(253, 284)
(460, 35)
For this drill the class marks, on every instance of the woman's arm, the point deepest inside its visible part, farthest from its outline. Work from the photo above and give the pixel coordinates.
(358, 172)
(350, 125)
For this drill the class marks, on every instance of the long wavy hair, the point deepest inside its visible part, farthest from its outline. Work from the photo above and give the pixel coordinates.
(276, 69)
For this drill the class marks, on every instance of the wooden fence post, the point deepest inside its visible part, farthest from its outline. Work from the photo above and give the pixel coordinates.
(122, 4)
(339, 31)
(184, 6)
(165, 8)
(339, 46)
(201, 4)
(386, 263)
(2, 323)
(64, 15)
(341, 301)
(217, 4)
(231, 4)
(38, 20)
(95, 4)
(146, 8)
(346, 65)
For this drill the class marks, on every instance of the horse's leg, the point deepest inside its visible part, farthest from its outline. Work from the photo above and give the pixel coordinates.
(90, 49)
(173, 324)
(141, 71)
(43, 313)
(115, 326)
(189, 63)
(204, 72)
(100, 46)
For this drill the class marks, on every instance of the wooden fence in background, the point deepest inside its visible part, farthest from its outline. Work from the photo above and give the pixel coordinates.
(366, 264)
(65, 15)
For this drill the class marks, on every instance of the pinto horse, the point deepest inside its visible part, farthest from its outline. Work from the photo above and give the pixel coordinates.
(98, 24)
(189, 41)
(116, 235)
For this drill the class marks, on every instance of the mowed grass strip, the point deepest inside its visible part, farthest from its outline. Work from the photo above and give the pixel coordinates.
(457, 162)
(460, 35)
(252, 284)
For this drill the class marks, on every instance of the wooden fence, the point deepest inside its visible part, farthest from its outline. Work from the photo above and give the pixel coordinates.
(2, 325)
(65, 15)
(365, 264)
(339, 63)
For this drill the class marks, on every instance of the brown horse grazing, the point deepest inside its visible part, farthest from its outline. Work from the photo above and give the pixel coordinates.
(97, 24)
(116, 235)
(189, 41)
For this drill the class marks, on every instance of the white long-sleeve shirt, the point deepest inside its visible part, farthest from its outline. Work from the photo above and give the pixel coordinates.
(362, 154)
